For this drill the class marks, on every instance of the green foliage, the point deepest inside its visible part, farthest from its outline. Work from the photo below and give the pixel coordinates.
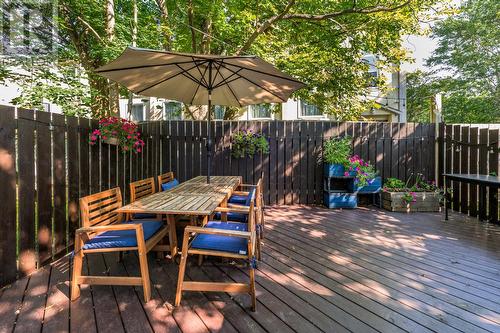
(337, 150)
(468, 50)
(248, 143)
(393, 185)
(40, 83)
(319, 42)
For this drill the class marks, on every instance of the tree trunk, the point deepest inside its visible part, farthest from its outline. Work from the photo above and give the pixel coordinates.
(114, 89)
(165, 29)
(99, 92)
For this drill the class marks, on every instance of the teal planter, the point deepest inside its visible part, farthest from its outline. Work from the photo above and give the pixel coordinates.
(333, 170)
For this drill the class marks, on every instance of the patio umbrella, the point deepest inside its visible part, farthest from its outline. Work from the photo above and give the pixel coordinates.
(196, 79)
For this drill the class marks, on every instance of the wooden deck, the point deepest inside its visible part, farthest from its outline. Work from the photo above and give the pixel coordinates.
(363, 270)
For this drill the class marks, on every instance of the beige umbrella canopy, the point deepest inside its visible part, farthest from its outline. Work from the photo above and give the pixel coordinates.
(200, 79)
(233, 80)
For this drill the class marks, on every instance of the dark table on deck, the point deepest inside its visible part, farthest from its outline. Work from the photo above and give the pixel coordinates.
(482, 180)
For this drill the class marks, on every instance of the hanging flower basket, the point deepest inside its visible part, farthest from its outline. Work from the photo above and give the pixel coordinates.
(120, 132)
(112, 141)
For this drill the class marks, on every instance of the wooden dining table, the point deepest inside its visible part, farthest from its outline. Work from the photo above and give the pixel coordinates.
(194, 198)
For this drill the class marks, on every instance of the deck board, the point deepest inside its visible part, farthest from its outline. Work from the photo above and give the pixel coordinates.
(363, 270)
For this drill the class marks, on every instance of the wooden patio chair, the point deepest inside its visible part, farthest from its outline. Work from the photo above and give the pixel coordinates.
(140, 189)
(221, 239)
(241, 197)
(104, 231)
(167, 181)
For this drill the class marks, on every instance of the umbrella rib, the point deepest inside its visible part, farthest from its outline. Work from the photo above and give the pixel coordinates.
(258, 85)
(198, 87)
(189, 75)
(228, 79)
(265, 73)
(215, 77)
(162, 81)
(147, 66)
(202, 78)
(232, 92)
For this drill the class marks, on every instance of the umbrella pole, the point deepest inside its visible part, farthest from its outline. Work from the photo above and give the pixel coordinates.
(209, 141)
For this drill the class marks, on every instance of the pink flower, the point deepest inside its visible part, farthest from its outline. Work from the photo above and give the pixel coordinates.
(129, 137)
(346, 173)
(93, 138)
(104, 137)
(96, 132)
(138, 150)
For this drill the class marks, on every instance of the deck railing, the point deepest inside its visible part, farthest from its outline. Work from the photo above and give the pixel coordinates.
(46, 164)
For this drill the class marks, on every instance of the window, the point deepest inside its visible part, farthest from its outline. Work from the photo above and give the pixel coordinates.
(219, 112)
(308, 110)
(372, 78)
(137, 113)
(261, 110)
(173, 111)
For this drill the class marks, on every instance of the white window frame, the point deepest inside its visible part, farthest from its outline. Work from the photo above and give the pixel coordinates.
(165, 110)
(143, 110)
(301, 115)
(251, 114)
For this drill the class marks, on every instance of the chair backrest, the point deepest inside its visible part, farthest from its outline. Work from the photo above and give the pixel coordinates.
(100, 208)
(259, 194)
(141, 188)
(165, 178)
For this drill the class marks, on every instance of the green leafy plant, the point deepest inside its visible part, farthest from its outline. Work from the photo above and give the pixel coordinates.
(248, 143)
(409, 198)
(124, 131)
(394, 185)
(337, 151)
(364, 171)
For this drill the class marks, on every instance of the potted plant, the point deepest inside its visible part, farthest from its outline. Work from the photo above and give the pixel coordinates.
(118, 131)
(336, 153)
(363, 172)
(421, 196)
(248, 143)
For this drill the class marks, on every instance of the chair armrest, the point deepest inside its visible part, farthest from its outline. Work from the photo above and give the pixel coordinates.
(124, 226)
(221, 232)
(237, 206)
(247, 185)
(232, 208)
(240, 193)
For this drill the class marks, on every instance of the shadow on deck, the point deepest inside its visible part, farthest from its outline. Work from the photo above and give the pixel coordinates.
(363, 270)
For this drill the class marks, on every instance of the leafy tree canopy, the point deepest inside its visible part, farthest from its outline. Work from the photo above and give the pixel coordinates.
(319, 42)
(469, 50)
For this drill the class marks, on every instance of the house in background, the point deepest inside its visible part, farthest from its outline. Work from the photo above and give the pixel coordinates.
(390, 104)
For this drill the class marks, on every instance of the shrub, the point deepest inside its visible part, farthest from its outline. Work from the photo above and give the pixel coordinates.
(337, 151)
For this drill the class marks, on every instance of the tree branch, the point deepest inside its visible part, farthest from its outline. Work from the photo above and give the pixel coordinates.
(89, 27)
(264, 27)
(352, 10)
(313, 17)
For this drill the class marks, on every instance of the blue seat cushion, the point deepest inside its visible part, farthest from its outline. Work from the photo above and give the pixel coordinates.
(143, 216)
(171, 184)
(237, 217)
(230, 244)
(238, 199)
(122, 238)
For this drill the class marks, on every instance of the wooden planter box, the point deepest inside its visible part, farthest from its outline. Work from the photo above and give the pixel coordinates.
(426, 202)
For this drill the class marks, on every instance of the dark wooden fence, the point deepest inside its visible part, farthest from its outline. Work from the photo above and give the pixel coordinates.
(471, 149)
(47, 164)
(293, 170)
